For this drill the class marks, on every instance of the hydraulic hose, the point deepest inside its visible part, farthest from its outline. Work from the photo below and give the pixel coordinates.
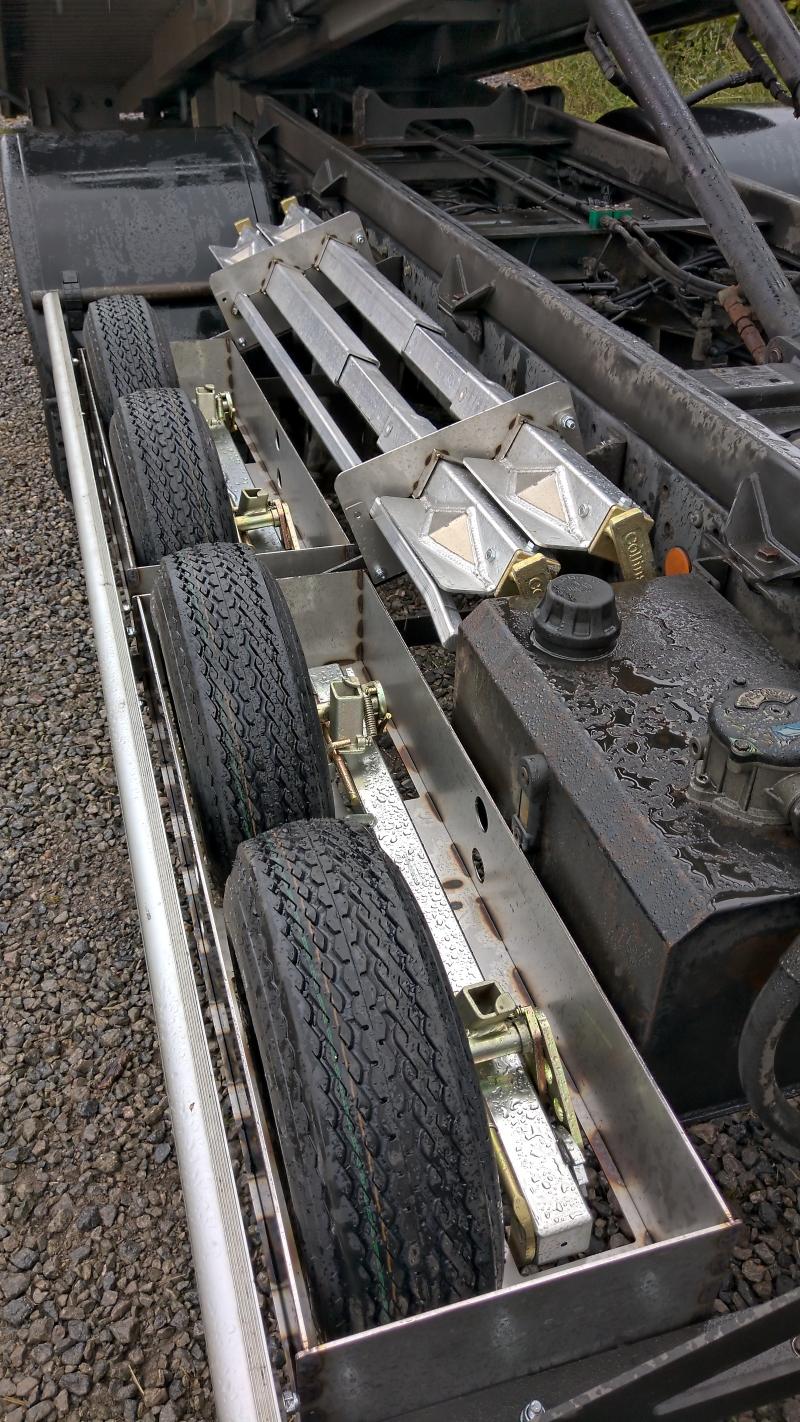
(767, 1020)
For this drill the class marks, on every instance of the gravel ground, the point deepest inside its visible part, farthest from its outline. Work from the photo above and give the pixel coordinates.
(98, 1314)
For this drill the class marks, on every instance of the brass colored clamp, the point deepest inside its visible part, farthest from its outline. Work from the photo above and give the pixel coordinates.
(527, 575)
(256, 508)
(625, 539)
(496, 1026)
(216, 406)
(354, 714)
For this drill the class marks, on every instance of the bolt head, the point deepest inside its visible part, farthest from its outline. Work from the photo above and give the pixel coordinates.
(241, 341)
(584, 510)
(532, 1411)
(359, 239)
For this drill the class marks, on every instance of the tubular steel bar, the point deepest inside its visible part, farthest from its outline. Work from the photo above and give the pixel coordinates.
(237, 1350)
(167, 292)
(707, 183)
(332, 437)
(770, 23)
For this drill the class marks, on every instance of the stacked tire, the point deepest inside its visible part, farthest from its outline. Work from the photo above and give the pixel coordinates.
(376, 1104)
(168, 469)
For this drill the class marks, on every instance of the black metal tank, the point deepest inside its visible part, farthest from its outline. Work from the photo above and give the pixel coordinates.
(681, 908)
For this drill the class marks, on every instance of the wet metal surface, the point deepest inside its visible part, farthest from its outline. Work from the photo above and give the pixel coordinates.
(695, 906)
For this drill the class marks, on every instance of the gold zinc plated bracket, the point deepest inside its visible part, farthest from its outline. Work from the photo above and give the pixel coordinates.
(514, 1051)
(625, 539)
(255, 508)
(216, 407)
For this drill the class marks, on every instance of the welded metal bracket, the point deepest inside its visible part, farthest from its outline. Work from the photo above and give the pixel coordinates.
(247, 267)
(470, 496)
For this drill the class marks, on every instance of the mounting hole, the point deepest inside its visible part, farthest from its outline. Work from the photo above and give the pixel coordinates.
(278, 477)
(477, 865)
(277, 440)
(480, 811)
(109, 103)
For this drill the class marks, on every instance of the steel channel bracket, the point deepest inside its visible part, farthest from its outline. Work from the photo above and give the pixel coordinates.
(551, 1221)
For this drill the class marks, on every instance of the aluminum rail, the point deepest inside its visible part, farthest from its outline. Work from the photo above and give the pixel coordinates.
(244, 1387)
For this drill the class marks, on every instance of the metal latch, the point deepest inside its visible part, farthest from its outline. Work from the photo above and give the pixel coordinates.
(216, 406)
(533, 775)
(354, 714)
(255, 508)
(495, 1026)
(542, 1169)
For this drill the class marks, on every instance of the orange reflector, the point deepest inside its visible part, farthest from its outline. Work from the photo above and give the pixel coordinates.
(677, 561)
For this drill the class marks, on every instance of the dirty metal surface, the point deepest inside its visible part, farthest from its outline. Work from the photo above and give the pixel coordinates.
(695, 906)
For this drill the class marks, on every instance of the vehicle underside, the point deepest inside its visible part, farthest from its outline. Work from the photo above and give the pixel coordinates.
(367, 378)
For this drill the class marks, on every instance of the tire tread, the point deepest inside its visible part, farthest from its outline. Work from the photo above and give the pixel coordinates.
(242, 696)
(377, 1104)
(171, 479)
(126, 350)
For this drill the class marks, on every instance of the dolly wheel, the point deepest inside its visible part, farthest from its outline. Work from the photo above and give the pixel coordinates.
(126, 350)
(376, 1102)
(242, 695)
(169, 472)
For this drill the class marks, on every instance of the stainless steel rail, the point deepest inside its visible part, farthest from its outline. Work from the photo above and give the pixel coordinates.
(244, 1387)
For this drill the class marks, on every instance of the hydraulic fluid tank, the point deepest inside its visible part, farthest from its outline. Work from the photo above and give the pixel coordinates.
(681, 901)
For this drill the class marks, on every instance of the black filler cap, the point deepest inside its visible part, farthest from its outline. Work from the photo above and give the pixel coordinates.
(577, 617)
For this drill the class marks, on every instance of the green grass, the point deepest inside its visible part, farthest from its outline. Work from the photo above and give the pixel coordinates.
(693, 56)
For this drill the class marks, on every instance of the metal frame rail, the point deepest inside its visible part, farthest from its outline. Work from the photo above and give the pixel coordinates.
(624, 382)
(237, 1352)
(393, 1371)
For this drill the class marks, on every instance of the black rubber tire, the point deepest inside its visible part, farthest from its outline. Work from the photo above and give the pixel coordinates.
(242, 697)
(377, 1106)
(169, 472)
(126, 350)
